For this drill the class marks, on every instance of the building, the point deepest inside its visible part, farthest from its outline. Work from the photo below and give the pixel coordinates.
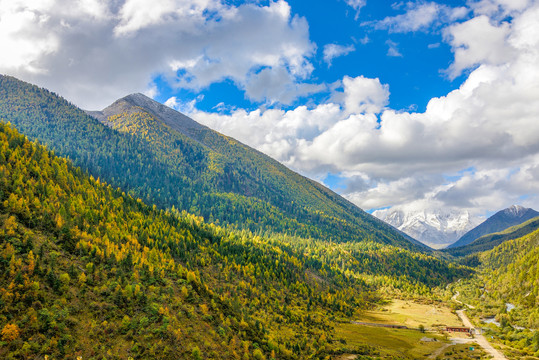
(462, 329)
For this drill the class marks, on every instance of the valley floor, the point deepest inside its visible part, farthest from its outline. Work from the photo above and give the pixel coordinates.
(413, 330)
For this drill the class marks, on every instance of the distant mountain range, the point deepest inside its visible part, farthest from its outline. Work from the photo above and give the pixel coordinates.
(502, 220)
(436, 228)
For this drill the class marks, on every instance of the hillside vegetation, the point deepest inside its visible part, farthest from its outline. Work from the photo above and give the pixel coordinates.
(514, 271)
(86, 270)
(205, 173)
(506, 289)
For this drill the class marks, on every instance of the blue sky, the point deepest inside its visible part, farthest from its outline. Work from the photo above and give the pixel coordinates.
(415, 74)
(410, 105)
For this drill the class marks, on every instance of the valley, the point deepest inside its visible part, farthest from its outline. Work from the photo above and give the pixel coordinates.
(269, 180)
(135, 232)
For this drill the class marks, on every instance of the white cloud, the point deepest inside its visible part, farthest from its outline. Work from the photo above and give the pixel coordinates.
(277, 85)
(364, 95)
(477, 41)
(152, 91)
(356, 5)
(74, 48)
(499, 9)
(420, 16)
(181, 106)
(331, 51)
(393, 49)
(390, 158)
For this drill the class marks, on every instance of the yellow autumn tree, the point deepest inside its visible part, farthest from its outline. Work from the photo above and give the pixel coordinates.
(10, 332)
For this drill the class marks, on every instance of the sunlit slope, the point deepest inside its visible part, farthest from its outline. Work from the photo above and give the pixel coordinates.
(86, 270)
(510, 274)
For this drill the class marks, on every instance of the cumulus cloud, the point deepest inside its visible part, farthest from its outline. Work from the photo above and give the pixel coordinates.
(331, 51)
(364, 95)
(477, 41)
(499, 9)
(181, 106)
(272, 85)
(391, 158)
(74, 48)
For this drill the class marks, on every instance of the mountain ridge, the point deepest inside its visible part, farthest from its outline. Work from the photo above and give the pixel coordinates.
(205, 173)
(435, 228)
(490, 241)
(212, 139)
(500, 221)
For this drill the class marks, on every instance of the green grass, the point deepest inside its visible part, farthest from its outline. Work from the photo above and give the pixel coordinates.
(389, 342)
(462, 352)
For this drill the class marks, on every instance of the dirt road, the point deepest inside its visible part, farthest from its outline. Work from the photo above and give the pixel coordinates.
(454, 298)
(480, 339)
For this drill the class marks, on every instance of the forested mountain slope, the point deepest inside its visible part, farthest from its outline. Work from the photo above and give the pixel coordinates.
(500, 221)
(490, 241)
(164, 158)
(514, 269)
(86, 270)
(504, 295)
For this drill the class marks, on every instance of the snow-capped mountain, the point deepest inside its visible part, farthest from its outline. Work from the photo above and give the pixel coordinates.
(436, 228)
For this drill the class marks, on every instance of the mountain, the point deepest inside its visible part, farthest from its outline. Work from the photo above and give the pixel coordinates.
(503, 219)
(162, 157)
(511, 275)
(436, 228)
(490, 241)
(89, 271)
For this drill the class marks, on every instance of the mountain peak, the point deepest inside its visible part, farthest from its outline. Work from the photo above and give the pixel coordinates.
(516, 210)
(138, 102)
(141, 100)
(138, 96)
(433, 227)
(513, 215)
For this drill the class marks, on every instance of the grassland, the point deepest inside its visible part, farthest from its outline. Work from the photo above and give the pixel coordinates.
(463, 352)
(412, 315)
(390, 343)
(399, 343)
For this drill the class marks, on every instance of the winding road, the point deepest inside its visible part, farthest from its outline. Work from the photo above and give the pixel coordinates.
(478, 338)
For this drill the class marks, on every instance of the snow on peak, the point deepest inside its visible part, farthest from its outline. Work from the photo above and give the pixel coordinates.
(515, 210)
(436, 228)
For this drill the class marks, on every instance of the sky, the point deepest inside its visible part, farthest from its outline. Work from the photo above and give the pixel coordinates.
(414, 105)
